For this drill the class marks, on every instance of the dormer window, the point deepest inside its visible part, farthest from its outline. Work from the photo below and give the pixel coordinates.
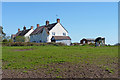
(53, 33)
(64, 34)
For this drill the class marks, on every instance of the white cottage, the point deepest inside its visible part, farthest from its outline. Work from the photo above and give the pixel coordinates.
(54, 32)
(25, 32)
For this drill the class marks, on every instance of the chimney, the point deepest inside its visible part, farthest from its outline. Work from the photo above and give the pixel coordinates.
(24, 28)
(38, 25)
(58, 20)
(18, 29)
(31, 27)
(47, 22)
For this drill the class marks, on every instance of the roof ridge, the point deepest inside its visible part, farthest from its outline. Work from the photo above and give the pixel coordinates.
(48, 24)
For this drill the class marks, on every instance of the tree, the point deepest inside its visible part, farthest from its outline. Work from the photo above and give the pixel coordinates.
(20, 39)
(10, 40)
(7, 38)
(2, 34)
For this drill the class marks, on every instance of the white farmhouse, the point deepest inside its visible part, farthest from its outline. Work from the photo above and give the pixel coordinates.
(54, 32)
(25, 32)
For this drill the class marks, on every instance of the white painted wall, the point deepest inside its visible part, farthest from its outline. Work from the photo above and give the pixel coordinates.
(27, 35)
(58, 29)
(66, 42)
(44, 36)
(39, 37)
(31, 38)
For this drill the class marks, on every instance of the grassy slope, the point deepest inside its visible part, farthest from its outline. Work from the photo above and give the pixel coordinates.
(56, 54)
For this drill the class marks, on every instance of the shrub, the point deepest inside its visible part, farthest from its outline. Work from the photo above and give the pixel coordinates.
(92, 44)
(31, 44)
(10, 40)
(5, 40)
(74, 44)
(20, 39)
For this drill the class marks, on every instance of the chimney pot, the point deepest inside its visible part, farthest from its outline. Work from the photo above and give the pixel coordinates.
(31, 27)
(47, 22)
(58, 20)
(18, 29)
(24, 28)
(38, 25)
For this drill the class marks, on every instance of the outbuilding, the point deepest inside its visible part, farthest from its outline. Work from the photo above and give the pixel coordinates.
(100, 41)
(61, 39)
(87, 41)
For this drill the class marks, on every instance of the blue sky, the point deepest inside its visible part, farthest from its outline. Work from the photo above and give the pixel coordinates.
(81, 19)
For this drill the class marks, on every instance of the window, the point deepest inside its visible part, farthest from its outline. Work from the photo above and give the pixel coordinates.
(53, 33)
(40, 41)
(64, 34)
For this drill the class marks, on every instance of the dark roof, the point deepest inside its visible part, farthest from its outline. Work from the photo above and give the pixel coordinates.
(61, 37)
(40, 28)
(22, 33)
(37, 30)
(50, 26)
(90, 39)
(99, 38)
(17, 34)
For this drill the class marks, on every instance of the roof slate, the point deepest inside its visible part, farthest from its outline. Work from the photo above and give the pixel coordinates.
(40, 28)
(90, 39)
(37, 30)
(50, 26)
(22, 33)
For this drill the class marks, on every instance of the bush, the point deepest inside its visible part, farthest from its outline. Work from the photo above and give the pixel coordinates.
(92, 44)
(10, 40)
(31, 44)
(5, 40)
(20, 39)
(74, 44)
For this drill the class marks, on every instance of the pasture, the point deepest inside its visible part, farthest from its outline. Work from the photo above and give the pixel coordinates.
(60, 62)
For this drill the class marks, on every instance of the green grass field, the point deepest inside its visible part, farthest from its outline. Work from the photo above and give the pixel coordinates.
(14, 58)
(33, 57)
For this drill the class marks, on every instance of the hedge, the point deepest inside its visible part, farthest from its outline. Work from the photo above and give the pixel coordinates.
(30, 44)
